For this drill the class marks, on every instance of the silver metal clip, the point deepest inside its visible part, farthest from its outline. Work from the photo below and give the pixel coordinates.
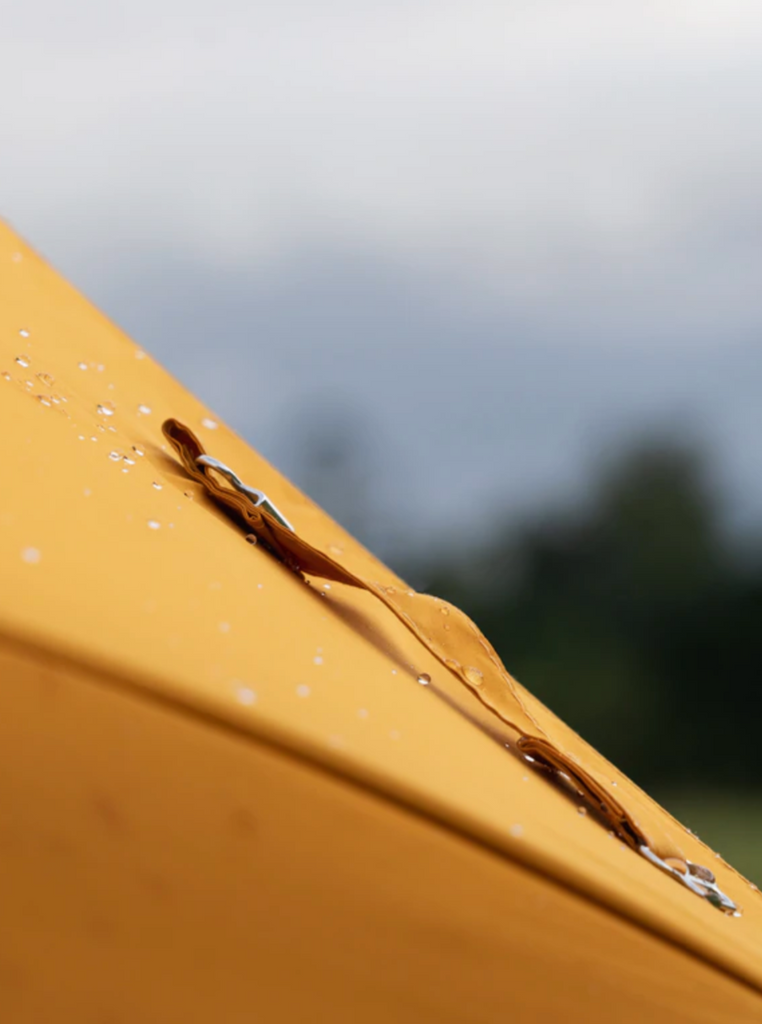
(258, 498)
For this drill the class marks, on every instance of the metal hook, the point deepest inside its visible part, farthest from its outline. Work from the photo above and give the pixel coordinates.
(259, 498)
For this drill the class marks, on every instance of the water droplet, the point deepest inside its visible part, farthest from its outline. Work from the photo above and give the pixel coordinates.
(87, 492)
(209, 424)
(115, 456)
(362, 713)
(82, 366)
(245, 695)
(138, 450)
(528, 757)
(31, 556)
(517, 831)
(224, 627)
(153, 524)
(326, 586)
(46, 378)
(582, 810)
(93, 438)
(395, 734)
(6, 375)
(157, 486)
(336, 549)
(424, 679)
(106, 409)
(144, 410)
(22, 361)
(317, 660)
(100, 367)
(251, 538)
(139, 354)
(444, 611)
(43, 400)
(24, 333)
(394, 671)
(613, 783)
(302, 690)
(128, 460)
(474, 676)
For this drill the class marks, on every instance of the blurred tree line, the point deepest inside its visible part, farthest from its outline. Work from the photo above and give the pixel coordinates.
(634, 618)
(634, 615)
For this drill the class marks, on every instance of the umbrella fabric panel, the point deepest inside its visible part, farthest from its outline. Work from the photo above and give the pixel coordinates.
(158, 866)
(111, 557)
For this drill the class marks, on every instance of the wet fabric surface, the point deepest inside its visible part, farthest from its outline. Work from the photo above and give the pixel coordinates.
(114, 561)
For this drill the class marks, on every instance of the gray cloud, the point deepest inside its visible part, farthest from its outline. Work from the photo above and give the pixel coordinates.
(511, 231)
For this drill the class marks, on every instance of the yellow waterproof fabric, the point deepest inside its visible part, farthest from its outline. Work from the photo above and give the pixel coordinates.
(158, 869)
(456, 641)
(112, 559)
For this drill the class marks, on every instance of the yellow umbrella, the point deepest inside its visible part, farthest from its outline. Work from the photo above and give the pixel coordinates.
(265, 781)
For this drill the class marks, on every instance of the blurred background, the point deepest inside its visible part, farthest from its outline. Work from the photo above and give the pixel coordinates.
(485, 279)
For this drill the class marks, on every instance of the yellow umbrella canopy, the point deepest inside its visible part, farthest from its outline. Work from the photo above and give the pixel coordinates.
(267, 781)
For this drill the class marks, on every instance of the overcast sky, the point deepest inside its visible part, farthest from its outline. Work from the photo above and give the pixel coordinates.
(501, 235)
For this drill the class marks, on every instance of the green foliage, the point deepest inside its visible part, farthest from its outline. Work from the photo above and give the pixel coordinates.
(633, 618)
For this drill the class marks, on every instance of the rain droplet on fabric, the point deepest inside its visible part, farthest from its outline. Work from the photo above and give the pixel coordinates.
(144, 410)
(24, 333)
(208, 423)
(251, 538)
(224, 627)
(424, 679)
(336, 549)
(106, 409)
(43, 400)
(302, 690)
(317, 660)
(31, 556)
(362, 713)
(395, 734)
(82, 366)
(138, 450)
(444, 611)
(157, 486)
(139, 354)
(245, 695)
(582, 810)
(128, 460)
(115, 456)
(474, 676)
(326, 586)
(6, 375)
(22, 361)
(46, 378)
(517, 831)
(153, 524)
